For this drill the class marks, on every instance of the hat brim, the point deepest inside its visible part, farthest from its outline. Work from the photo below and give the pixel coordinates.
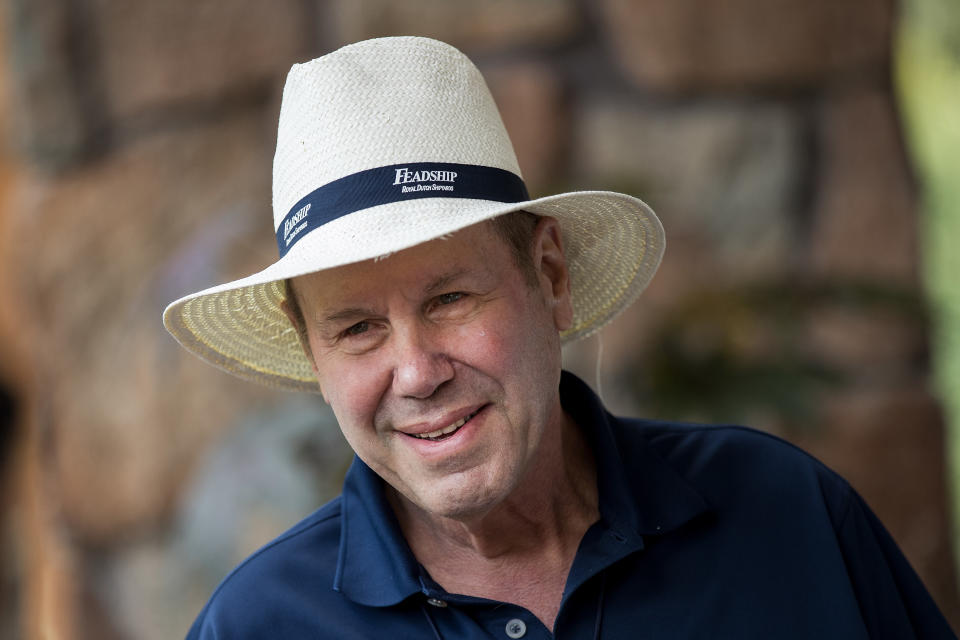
(613, 244)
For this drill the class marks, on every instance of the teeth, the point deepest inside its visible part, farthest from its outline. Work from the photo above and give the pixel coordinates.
(433, 435)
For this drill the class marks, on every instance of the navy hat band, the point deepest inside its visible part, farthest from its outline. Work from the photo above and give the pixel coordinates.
(396, 183)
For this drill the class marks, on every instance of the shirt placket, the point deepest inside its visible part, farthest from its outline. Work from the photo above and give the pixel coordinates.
(466, 617)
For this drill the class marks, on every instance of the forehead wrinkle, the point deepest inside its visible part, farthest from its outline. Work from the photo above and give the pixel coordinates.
(332, 315)
(338, 316)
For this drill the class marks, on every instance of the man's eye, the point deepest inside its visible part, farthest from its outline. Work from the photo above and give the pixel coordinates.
(357, 329)
(448, 298)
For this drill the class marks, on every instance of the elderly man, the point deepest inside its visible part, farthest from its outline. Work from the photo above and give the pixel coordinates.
(424, 294)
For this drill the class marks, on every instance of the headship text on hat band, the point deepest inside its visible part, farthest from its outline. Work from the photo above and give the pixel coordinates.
(396, 183)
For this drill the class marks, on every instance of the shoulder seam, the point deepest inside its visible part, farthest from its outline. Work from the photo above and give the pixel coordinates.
(848, 493)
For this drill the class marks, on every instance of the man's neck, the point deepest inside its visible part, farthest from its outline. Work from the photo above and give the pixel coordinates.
(521, 550)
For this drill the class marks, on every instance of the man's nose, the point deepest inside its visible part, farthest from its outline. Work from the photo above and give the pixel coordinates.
(421, 367)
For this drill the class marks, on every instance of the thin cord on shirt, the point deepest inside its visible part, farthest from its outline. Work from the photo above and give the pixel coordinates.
(433, 625)
(599, 620)
(600, 366)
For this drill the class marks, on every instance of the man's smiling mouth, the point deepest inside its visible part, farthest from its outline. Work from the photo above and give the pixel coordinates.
(446, 432)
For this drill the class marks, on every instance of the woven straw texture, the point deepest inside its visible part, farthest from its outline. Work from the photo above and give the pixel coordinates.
(394, 101)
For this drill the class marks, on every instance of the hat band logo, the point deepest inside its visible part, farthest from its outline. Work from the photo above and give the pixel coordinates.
(404, 175)
(396, 183)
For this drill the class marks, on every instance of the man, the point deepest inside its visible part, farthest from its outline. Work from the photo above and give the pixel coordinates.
(426, 297)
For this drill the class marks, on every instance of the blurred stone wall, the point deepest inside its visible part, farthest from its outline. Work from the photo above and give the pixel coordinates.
(139, 137)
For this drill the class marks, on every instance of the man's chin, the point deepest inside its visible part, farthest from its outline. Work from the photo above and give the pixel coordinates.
(463, 503)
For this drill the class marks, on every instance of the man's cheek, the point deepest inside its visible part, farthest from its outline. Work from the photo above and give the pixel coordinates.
(352, 397)
(483, 342)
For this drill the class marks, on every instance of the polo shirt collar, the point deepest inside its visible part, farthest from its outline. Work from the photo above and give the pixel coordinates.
(640, 496)
(639, 492)
(375, 566)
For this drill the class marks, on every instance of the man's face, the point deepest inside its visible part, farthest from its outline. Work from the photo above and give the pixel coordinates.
(442, 363)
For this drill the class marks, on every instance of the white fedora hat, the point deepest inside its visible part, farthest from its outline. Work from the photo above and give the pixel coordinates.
(383, 145)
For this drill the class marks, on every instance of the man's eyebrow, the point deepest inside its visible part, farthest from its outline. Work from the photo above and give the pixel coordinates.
(341, 315)
(443, 281)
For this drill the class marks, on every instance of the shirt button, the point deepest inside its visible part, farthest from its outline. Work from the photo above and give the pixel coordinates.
(516, 628)
(436, 602)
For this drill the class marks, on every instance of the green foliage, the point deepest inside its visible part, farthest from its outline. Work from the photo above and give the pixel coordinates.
(927, 67)
(722, 356)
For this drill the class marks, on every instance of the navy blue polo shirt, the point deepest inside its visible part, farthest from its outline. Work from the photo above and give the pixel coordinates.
(704, 532)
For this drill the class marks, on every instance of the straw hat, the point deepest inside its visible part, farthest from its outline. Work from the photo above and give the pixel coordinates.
(383, 145)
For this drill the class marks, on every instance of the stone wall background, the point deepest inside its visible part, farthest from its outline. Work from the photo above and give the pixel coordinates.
(138, 138)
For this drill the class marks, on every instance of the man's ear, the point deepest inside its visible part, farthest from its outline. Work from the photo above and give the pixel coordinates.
(550, 264)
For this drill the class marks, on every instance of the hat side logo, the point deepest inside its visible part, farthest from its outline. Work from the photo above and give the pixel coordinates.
(295, 224)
